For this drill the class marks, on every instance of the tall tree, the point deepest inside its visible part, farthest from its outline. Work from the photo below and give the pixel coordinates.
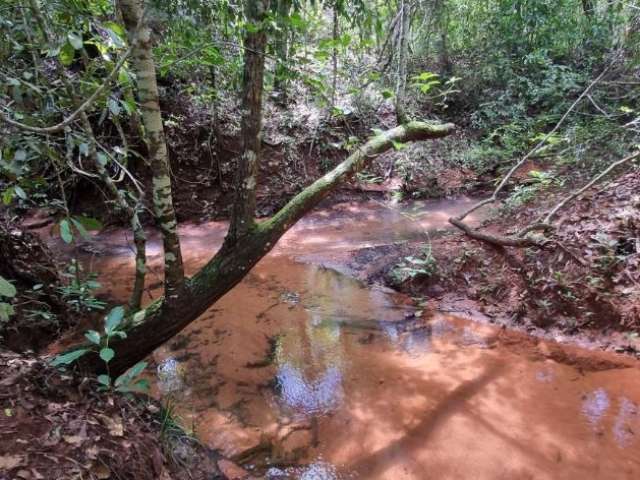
(402, 57)
(244, 206)
(141, 40)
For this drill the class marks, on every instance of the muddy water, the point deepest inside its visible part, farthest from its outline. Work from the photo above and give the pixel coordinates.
(303, 371)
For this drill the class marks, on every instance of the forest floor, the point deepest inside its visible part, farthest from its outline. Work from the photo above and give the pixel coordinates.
(62, 426)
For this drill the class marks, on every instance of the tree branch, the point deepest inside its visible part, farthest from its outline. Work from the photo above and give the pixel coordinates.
(593, 181)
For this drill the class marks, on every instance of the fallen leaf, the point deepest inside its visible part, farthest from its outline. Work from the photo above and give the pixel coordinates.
(101, 471)
(114, 425)
(8, 462)
(73, 439)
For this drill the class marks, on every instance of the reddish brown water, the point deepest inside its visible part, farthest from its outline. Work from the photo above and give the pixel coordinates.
(303, 370)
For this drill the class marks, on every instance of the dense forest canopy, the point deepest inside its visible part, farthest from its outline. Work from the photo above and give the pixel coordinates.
(149, 114)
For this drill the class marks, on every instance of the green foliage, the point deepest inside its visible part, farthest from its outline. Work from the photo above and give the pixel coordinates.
(423, 265)
(7, 292)
(535, 183)
(113, 328)
(78, 293)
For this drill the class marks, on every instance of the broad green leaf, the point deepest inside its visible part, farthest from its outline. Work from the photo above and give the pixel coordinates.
(107, 354)
(6, 288)
(67, 53)
(8, 195)
(141, 385)
(75, 40)
(398, 145)
(81, 230)
(20, 192)
(117, 29)
(6, 310)
(132, 373)
(386, 93)
(104, 380)
(114, 318)
(93, 337)
(67, 358)
(65, 231)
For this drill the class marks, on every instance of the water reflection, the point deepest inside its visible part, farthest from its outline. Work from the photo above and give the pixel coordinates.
(595, 405)
(622, 428)
(306, 395)
(318, 470)
(170, 377)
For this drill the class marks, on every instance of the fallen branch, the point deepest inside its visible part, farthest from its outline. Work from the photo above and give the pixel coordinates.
(502, 184)
(497, 240)
(593, 181)
(521, 239)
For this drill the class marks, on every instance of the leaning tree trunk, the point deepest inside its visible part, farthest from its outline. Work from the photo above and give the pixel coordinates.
(156, 324)
(140, 36)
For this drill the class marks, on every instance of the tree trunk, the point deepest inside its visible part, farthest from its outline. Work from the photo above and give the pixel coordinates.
(280, 82)
(334, 54)
(244, 207)
(140, 36)
(156, 324)
(402, 47)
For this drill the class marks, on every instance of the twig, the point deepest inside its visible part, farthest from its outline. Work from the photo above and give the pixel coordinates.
(593, 181)
(540, 144)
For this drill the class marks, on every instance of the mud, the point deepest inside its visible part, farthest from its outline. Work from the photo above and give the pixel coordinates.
(304, 372)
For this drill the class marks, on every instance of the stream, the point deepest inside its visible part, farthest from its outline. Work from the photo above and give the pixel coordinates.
(302, 371)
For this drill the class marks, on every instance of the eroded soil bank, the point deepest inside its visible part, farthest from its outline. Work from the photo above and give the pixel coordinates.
(304, 372)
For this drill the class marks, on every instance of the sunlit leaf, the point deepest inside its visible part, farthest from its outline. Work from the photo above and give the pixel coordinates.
(70, 357)
(6, 288)
(107, 354)
(93, 337)
(65, 231)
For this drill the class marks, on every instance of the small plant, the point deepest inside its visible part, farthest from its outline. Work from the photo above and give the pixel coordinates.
(411, 267)
(536, 182)
(78, 293)
(125, 383)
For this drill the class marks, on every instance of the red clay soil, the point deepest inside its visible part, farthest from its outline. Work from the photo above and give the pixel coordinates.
(55, 426)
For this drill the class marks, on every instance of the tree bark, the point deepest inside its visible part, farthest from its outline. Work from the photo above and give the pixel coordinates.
(244, 207)
(140, 33)
(334, 53)
(402, 46)
(156, 324)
